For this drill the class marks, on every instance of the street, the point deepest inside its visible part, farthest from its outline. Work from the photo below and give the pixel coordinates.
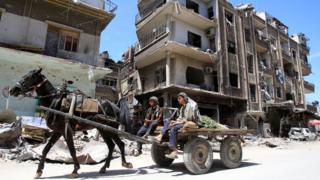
(295, 161)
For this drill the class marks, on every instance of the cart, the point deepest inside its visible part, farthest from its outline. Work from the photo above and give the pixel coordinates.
(197, 145)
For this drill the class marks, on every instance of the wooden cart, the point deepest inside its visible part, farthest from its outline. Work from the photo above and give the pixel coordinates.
(196, 144)
(198, 147)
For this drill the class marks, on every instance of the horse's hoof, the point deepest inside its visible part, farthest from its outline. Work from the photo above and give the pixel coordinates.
(102, 171)
(73, 175)
(38, 175)
(127, 165)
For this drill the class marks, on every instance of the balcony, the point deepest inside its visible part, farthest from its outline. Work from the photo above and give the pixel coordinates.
(306, 68)
(153, 36)
(157, 51)
(106, 5)
(308, 87)
(312, 108)
(286, 56)
(261, 42)
(179, 12)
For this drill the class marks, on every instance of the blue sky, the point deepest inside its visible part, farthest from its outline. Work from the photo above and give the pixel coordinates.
(298, 15)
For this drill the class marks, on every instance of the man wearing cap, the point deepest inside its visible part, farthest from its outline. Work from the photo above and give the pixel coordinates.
(153, 118)
(189, 114)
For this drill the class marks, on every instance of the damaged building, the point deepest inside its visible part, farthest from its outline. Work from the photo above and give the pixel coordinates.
(108, 87)
(238, 64)
(61, 36)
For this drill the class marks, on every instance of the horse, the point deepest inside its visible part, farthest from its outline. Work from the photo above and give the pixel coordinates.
(49, 96)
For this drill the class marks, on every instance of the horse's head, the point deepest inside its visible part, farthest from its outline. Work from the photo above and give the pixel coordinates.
(28, 83)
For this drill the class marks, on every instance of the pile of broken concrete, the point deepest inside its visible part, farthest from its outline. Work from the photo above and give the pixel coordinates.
(24, 138)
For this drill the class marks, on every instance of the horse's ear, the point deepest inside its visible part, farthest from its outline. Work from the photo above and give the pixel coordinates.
(39, 70)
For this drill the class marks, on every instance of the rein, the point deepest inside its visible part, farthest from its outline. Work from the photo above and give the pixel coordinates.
(35, 87)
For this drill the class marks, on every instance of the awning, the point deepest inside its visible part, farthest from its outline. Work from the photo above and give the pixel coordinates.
(314, 123)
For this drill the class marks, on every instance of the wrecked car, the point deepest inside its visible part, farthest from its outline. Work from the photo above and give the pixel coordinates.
(302, 134)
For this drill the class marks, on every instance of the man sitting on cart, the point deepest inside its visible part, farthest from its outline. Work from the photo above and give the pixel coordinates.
(153, 118)
(189, 116)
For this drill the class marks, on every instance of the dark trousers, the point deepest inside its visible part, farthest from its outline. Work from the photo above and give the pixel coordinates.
(146, 130)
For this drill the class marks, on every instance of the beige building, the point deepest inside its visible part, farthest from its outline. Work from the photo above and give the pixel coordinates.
(235, 62)
(68, 29)
(61, 36)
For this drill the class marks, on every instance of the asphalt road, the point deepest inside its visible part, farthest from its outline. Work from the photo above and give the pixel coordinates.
(297, 161)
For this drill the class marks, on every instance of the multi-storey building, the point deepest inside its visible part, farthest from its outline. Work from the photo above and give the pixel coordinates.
(68, 29)
(233, 61)
(61, 36)
(107, 87)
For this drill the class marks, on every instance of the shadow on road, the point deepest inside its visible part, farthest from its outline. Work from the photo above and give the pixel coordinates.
(176, 170)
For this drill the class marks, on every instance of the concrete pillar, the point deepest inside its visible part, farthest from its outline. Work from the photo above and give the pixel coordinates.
(168, 70)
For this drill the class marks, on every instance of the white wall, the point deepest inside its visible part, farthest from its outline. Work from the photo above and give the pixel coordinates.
(203, 8)
(19, 30)
(16, 29)
(181, 34)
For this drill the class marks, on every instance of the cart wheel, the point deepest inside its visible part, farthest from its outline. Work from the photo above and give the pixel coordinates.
(198, 156)
(158, 155)
(231, 152)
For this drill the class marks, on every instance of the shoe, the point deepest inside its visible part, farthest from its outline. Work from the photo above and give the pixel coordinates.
(145, 137)
(172, 155)
(137, 154)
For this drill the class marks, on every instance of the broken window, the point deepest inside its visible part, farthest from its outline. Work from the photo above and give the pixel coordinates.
(192, 5)
(210, 13)
(233, 80)
(194, 39)
(253, 93)
(195, 76)
(232, 47)
(248, 35)
(109, 82)
(229, 17)
(289, 96)
(68, 41)
(250, 63)
(279, 92)
(294, 54)
(160, 75)
(273, 41)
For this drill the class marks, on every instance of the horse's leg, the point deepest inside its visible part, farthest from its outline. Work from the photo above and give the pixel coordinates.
(111, 146)
(72, 150)
(53, 139)
(121, 144)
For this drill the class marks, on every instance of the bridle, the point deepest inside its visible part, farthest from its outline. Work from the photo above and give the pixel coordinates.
(34, 89)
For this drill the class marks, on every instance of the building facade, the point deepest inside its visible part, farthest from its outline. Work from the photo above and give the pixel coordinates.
(68, 29)
(108, 87)
(61, 36)
(233, 61)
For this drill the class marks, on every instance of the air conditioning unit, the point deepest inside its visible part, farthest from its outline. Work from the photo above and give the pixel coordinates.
(208, 70)
(210, 32)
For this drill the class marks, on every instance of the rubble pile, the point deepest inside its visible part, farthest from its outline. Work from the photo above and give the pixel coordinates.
(279, 143)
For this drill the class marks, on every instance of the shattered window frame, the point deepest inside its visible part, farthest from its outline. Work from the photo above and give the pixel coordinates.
(194, 39)
(234, 80)
(64, 40)
(211, 14)
(193, 5)
(250, 63)
(253, 93)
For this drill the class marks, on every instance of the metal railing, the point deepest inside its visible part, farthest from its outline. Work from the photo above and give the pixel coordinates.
(150, 37)
(106, 5)
(110, 6)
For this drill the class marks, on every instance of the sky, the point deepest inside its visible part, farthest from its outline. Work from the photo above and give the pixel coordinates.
(298, 15)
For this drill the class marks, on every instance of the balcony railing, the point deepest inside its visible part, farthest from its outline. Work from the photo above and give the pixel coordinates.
(150, 37)
(309, 86)
(306, 64)
(106, 5)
